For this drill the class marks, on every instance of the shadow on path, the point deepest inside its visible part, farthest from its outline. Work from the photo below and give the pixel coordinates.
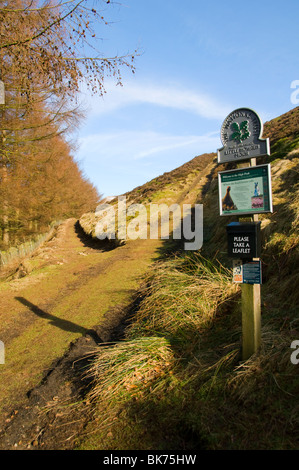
(94, 243)
(65, 325)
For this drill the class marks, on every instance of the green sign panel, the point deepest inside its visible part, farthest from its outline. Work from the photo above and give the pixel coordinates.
(245, 191)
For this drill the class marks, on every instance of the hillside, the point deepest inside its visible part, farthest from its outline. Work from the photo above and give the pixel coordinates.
(148, 354)
(188, 387)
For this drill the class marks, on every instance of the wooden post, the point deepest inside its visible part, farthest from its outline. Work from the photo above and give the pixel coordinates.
(251, 311)
(251, 319)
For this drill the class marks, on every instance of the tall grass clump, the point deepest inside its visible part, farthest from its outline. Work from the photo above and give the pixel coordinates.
(129, 369)
(182, 296)
(125, 378)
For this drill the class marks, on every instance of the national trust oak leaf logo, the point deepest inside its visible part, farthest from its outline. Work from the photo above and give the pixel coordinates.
(241, 132)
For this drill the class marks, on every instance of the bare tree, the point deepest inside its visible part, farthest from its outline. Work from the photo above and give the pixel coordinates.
(56, 44)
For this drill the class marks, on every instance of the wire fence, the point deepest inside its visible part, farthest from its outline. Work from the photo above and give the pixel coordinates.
(25, 249)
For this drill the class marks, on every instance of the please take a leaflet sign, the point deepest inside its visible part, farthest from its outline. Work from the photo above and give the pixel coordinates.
(245, 190)
(244, 240)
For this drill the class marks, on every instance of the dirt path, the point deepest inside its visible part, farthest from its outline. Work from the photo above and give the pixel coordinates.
(71, 286)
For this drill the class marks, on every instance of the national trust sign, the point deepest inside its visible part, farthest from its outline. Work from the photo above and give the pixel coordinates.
(241, 135)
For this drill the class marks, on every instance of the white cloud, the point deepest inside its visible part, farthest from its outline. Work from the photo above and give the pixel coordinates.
(117, 157)
(172, 96)
(133, 145)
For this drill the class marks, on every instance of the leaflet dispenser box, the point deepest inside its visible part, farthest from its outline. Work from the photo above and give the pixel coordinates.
(244, 240)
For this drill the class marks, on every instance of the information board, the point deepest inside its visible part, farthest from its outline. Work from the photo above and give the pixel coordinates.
(245, 190)
(247, 272)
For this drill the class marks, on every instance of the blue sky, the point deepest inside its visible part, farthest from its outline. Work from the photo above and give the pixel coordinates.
(199, 60)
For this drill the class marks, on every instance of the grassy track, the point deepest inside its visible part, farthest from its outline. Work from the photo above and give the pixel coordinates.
(45, 311)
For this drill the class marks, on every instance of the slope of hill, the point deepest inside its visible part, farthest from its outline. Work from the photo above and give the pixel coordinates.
(178, 380)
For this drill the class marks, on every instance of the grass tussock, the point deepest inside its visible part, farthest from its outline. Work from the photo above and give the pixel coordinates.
(129, 369)
(181, 297)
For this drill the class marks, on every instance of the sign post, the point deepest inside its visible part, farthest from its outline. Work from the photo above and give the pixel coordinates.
(251, 319)
(245, 191)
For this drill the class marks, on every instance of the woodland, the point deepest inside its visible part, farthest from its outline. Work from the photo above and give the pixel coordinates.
(48, 51)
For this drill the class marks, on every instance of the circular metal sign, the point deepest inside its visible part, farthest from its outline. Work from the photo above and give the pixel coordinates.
(241, 136)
